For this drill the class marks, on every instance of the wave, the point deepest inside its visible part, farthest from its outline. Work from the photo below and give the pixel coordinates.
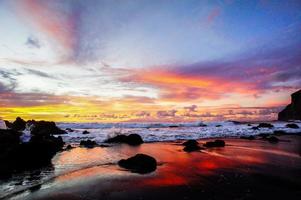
(153, 132)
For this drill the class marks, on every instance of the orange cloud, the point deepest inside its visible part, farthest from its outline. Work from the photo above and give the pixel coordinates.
(176, 87)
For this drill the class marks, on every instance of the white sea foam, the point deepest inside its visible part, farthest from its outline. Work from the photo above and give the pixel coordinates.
(151, 132)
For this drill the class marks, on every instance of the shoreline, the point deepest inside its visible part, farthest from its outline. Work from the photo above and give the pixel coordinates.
(178, 171)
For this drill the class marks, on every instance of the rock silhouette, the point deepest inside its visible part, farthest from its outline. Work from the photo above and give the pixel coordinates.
(293, 110)
(140, 163)
(132, 139)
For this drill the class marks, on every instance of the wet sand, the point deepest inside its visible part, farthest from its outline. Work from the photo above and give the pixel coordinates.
(243, 169)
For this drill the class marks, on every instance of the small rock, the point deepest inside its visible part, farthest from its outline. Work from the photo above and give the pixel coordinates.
(255, 128)
(69, 130)
(250, 137)
(218, 125)
(216, 143)
(272, 139)
(139, 163)
(85, 132)
(191, 145)
(279, 132)
(292, 126)
(265, 125)
(68, 147)
(88, 143)
(132, 139)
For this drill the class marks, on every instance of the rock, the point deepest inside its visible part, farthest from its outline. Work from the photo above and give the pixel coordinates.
(8, 124)
(45, 128)
(218, 125)
(279, 132)
(36, 153)
(272, 139)
(216, 143)
(255, 128)
(250, 137)
(8, 139)
(88, 143)
(85, 132)
(264, 135)
(19, 124)
(292, 126)
(132, 139)
(139, 163)
(293, 110)
(191, 145)
(265, 125)
(68, 147)
(69, 130)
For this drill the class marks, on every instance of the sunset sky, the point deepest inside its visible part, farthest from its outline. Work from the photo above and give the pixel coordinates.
(148, 60)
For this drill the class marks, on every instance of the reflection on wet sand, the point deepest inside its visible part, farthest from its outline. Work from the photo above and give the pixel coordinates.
(240, 166)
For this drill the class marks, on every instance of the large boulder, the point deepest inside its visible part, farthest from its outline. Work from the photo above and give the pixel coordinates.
(132, 139)
(45, 128)
(139, 163)
(293, 110)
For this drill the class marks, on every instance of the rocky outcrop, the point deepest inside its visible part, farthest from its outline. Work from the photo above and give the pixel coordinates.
(132, 139)
(17, 156)
(139, 163)
(19, 124)
(293, 110)
(45, 128)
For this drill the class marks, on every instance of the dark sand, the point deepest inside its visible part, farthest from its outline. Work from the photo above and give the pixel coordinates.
(243, 169)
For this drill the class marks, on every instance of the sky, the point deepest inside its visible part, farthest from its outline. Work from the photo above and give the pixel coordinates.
(142, 60)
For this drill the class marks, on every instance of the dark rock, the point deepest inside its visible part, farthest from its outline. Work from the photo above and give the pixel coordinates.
(132, 139)
(279, 132)
(265, 125)
(8, 124)
(8, 139)
(250, 137)
(139, 163)
(293, 110)
(190, 142)
(45, 128)
(292, 126)
(68, 147)
(216, 143)
(85, 132)
(88, 143)
(264, 135)
(191, 145)
(255, 128)
(19, 124)
(69, 130)
(249, 125)
(36, 153)
(272, 139)
(218, 125)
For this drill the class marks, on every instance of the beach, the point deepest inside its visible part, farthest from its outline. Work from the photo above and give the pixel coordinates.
(243, 169)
